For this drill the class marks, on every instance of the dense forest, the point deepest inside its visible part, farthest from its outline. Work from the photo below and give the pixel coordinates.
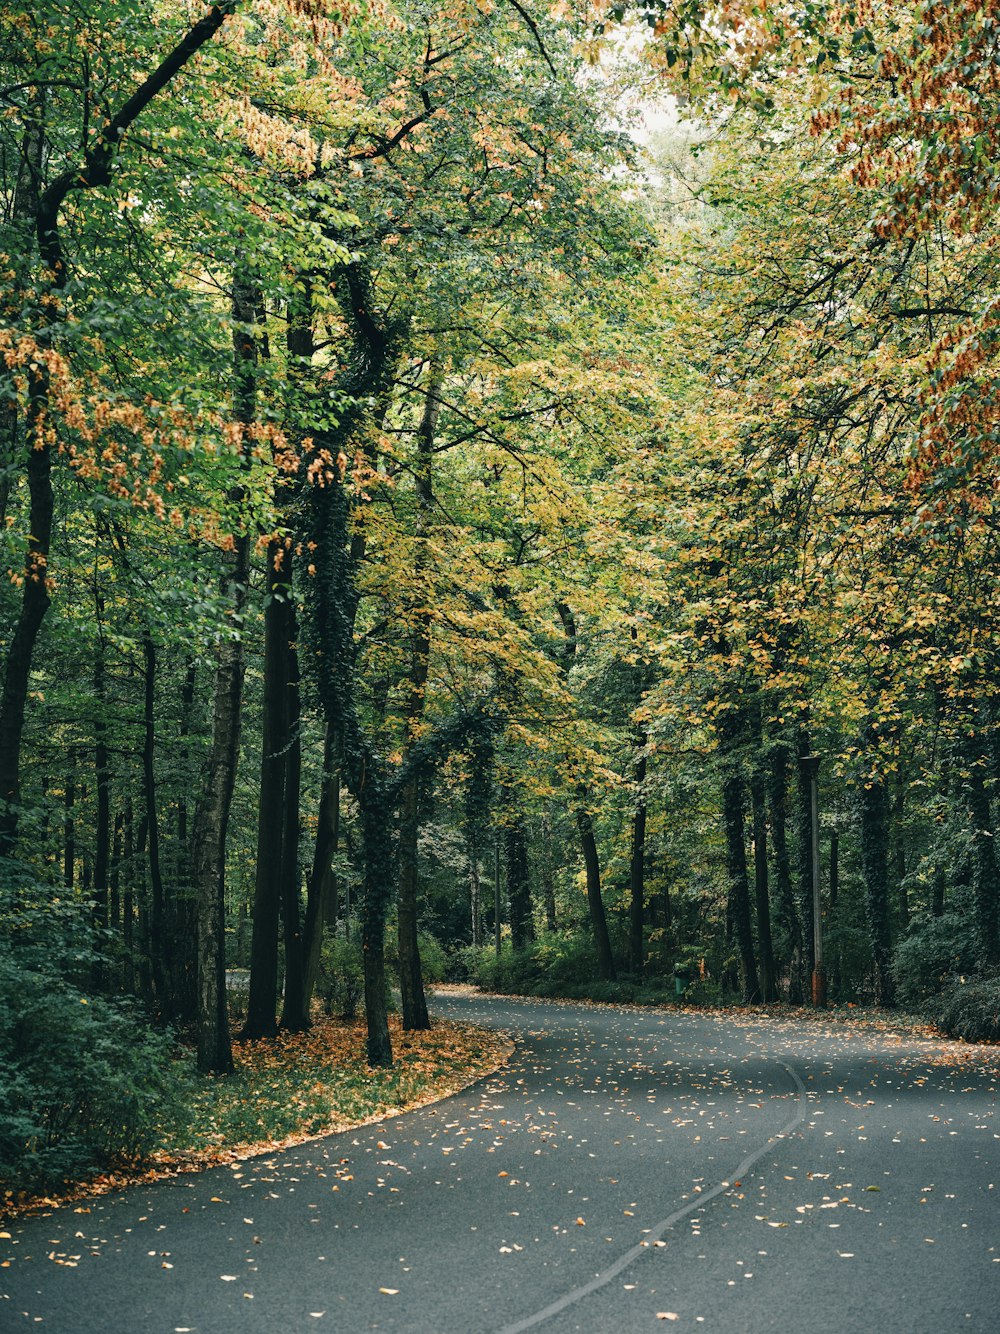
(493, 491)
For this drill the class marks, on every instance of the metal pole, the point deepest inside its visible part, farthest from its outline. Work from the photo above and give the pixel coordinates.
(496, 895)
(819, 973)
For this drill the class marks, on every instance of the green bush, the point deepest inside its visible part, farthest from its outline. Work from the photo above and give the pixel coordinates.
(84, 1083)
(970, 1010)
(936, 949)
(340, 983)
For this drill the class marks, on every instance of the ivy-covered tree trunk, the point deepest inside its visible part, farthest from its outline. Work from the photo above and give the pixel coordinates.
(873, 821)
(411, 982)
(322, 891)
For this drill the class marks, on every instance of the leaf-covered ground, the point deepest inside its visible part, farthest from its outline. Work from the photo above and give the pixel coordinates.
(301, 1085)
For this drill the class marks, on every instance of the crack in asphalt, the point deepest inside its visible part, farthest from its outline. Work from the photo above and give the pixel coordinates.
(641, 1248)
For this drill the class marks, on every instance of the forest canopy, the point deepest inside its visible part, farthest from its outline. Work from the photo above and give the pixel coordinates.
(499, 491)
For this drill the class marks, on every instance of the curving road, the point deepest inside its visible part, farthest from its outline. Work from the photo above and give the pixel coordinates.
(630, 1170)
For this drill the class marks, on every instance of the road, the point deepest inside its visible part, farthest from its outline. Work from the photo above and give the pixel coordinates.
(629, 1170)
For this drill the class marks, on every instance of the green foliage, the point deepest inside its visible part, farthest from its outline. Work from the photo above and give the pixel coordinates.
(340, 983)
(970, 1010)
(936, 950)
(84, 1082)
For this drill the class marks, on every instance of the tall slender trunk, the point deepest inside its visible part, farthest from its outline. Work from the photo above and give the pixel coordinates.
(69, 828)
(411, 982)
(762, 900)
(211, 817)
(295, 1012)
(595, 902)
(637, 862)
(376, 827)
(321, 901)
(804, 847)
(34, 605)
(739, 888)
(102, 829)
(787, 912)
(128, 899)
(873, 813)
(158, 938)
(34, 589)
(548, 875)
(985, 873)
(263, 993)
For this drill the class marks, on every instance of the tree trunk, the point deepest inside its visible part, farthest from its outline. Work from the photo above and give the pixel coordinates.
(788, 916)
(739, 888)
(873, 810)
(804, 849)
(595, 903)
(321, 901)
(34, 605)
(762, 900)
(295, 1011)
(158, 940)
(211, 817)
(102, 829)
(985, 875)
(516, 865)
(637, 864)
(34, 590)
(375, 819)
(411, 983)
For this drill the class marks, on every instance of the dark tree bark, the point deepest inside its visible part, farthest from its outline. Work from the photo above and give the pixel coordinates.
(261, 1021)
(804, 848)
(637, 862)
(211, 817)
(159, 944)
(321, 901)
(102, 828)
(585, 827)
(522, 931)
(762, 899)
(985, 874)
(787, 912)
(34, 605)
(595, 903)
(411, 982)
(295, 1011)
(873, 813)
(739, 888)
(69, 830)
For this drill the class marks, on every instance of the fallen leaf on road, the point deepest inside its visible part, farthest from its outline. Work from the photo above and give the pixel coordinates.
(389, 1292)
(667, 1315)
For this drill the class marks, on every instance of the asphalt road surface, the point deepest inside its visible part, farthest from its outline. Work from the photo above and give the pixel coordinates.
(630, 1170)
